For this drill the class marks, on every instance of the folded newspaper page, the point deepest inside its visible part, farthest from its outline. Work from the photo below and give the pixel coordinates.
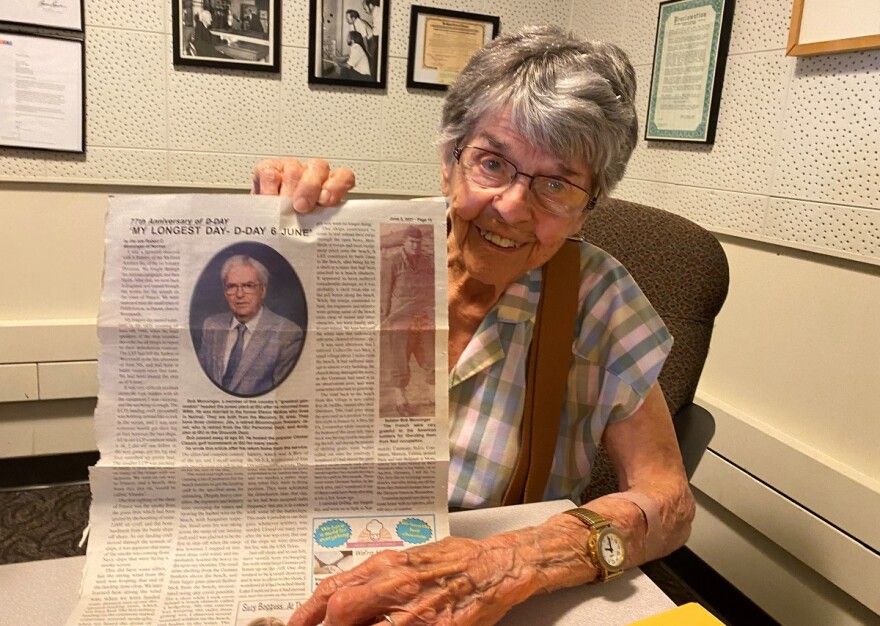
(272, 405)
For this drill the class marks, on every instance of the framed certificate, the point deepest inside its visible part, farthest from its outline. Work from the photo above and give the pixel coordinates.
(442, 42)
(64, 14)
(43, 107)
(689, 58)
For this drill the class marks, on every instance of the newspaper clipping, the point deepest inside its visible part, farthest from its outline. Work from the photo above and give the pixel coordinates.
(272, 405)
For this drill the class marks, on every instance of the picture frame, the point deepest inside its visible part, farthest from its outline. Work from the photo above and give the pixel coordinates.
(53, 117)
(232, 34)
(59, 14)
(830, 26)
(690, 54)
(348, 46)
(441, 42)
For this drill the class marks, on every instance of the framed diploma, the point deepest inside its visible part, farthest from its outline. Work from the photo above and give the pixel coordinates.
(689, 58)
(348, 42)
(43, 107)
(64, 14)
(826, 26)
(441, 43)
(245, 35)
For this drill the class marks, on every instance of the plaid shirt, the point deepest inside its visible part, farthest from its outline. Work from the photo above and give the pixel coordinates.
(619, 348)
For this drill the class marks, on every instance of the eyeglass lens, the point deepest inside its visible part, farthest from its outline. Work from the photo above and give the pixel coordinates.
(245, 287)
(492, 171)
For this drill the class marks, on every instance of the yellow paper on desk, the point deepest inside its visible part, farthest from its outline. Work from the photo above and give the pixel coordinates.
(691, 614)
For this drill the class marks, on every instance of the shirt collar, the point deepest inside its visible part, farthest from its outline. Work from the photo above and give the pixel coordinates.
(519, 302)
(250, 324)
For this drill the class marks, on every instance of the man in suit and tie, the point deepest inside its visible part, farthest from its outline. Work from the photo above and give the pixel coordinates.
(249, 350)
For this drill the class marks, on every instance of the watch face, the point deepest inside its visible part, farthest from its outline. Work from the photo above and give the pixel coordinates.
(610, 549)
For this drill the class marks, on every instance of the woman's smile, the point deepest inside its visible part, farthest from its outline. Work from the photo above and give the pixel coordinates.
(497, 240)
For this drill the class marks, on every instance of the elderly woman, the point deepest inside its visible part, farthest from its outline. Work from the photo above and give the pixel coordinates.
(536, 128)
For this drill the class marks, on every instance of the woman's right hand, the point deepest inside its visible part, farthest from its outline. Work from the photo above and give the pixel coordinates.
(310, 184)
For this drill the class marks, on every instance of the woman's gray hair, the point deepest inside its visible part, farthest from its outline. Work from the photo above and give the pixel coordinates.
(570, 97)
(244, 260)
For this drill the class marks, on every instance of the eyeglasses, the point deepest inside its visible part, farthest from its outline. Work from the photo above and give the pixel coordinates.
(555, 196)
(247, 288)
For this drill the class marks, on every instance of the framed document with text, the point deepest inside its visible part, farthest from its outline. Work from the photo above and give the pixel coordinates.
(441, 42)
(64, 14)
(689, 58)
(44, 106)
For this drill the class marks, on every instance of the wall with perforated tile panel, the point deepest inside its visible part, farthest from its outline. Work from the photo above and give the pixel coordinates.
(796, 137)
(797, 142)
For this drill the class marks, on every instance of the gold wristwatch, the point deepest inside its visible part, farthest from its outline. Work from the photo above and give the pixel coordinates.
(605, 546)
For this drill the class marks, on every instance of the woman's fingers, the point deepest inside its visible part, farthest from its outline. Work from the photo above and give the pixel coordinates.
(267, 177)
(389, 588)
(341, 181)
(304, 183)
(314, 610)
(309, 184)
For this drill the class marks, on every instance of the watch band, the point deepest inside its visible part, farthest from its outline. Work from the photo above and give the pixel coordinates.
(592, 519)
(596, 523)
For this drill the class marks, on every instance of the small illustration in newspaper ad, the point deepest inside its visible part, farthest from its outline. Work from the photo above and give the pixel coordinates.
(339, 544)
(248, 319)
(407, 321)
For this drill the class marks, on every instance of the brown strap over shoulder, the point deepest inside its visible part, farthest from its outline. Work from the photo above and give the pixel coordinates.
(546, 375)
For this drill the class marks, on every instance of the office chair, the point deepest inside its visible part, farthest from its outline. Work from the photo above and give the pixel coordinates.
(683, 271)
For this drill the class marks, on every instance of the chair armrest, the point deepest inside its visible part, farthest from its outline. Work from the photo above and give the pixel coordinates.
(694, 428)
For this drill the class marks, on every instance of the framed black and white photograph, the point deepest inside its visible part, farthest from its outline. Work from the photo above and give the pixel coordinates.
(235, 34)
(441, 42)
(63, 14)
(348, 42)
(690, 54)
(46, 109)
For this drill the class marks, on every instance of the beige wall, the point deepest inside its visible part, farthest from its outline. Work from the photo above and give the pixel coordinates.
(798, 347)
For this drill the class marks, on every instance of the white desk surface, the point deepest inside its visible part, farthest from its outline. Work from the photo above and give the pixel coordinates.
(45, 592)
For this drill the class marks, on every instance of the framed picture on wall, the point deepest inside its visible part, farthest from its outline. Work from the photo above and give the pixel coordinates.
(348, 42)
(234, 34)
(690, 54)
(46, 110)
(827, 26)
(441, 42)
(63, 14)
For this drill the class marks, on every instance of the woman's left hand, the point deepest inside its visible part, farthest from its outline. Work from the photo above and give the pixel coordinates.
(454, 581)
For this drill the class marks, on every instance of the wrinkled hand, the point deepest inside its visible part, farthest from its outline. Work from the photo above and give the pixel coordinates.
(454, 581)
(309, 184)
